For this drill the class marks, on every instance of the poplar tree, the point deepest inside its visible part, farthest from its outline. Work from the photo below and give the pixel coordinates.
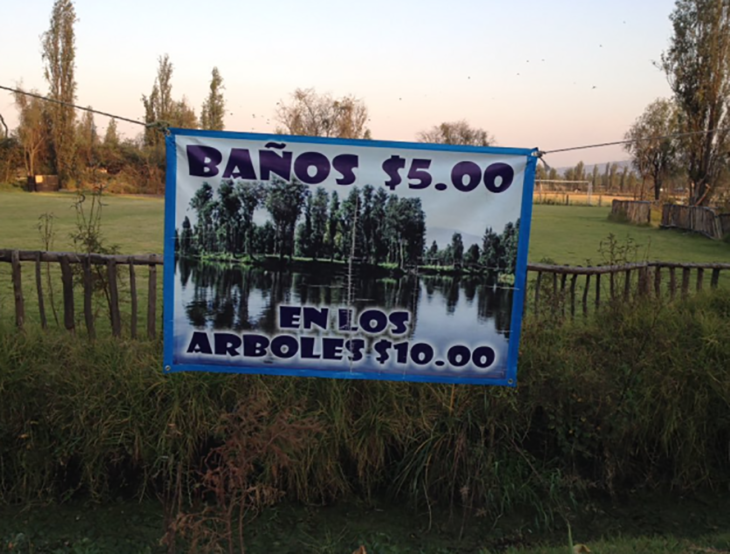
(59, 54)
(213, 110)
(697, 65)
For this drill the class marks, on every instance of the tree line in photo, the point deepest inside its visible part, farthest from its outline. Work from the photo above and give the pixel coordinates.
(678, 146)
(370, 225)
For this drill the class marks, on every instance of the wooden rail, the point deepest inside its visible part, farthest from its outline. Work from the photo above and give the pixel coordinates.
(643, 279)
(558, 288)
(96, 273)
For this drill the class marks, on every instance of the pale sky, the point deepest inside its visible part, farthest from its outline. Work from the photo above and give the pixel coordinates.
(547, 74)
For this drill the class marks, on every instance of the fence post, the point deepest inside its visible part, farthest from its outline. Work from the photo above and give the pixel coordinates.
(88, 291)
(68, 294)
(111, 268)
(658, 281)
(133, 295)
(18, 289)
(573, 279)
(700, 278)
(643, 281)
(685, 281)
(152, 303)
(39, 289)
(715, 278)
(585, 294)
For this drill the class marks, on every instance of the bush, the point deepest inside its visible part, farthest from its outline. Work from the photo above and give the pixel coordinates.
(634, 397)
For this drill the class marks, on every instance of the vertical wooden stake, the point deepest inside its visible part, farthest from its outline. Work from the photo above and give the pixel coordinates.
(39, 289)
(88, 296)
(573, 280)
(68, 294)
(685, 281)
(133, 294)
(700, 278)
(18, 289)
(111, 268)
(715, 278)
(152, 303)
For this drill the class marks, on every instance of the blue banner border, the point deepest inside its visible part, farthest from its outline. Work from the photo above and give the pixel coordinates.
(510, 377)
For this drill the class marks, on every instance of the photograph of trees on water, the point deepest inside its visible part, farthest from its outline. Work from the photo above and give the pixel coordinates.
(346, 259)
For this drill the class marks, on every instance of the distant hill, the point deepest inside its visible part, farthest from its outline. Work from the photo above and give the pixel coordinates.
(442, 236)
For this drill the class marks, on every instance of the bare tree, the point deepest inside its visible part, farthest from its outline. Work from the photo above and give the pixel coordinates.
(321, 115)
(456, 132)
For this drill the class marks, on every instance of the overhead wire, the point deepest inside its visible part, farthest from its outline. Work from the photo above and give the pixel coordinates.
(157, 124)
(540, 153)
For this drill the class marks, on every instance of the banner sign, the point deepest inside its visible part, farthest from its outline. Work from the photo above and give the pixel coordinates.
(353, 259)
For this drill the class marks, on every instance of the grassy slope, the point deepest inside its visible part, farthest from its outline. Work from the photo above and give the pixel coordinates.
(565, 234)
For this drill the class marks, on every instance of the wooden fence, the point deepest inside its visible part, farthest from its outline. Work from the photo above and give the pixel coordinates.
(107, 269)
(634, 211)
(588, 284)
(699, 219)
(554, 287)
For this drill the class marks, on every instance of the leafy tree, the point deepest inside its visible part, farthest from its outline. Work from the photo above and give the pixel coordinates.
(321, 115)
(59, 54)
(509, 242)
(457, 248)
(159, 105)
(186, 238)
(697, 65)
(471, 258)
(333, 226)
(11, 158)
(111, 136)
(653, 152)
(87, 140)
(229, 204)
(183, 115)
(284, 202)
(214, 106)
(432, 254)
(202, 203)
(491, 250)
(250, 196)
(319, 222)
(264, 240)
(379, 246)
(32, 131)
(457, 132)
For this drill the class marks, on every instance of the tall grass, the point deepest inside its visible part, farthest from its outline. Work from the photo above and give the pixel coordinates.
(635, 396)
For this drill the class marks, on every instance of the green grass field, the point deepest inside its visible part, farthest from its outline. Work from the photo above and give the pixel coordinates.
(564, 234)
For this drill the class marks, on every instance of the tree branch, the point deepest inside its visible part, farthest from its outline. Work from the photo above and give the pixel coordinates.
(5, 126)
